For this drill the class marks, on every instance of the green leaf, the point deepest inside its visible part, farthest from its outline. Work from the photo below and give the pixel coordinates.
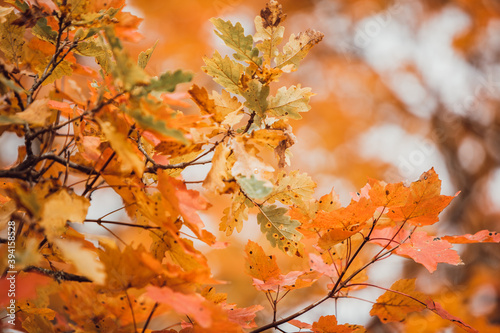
(234, 37)
(256, 94)
(280, 229)
(297, 48)
(43, 31)
(288, 103)
(144, 56)
(168, 81)
(225, 72)
(151, 123)
(255, 188)
(293, 189)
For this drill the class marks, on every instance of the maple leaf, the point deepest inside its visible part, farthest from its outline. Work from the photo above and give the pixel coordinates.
(396, 303)
(299, 324)
(234, 37)
(187, 304)
(424, 202)
(83, 259)
(59, 208)
(280, 230)
(123, 148)
(438, 309)
(235, 214)
(259, 265)
(393, 195)
(245, 317)
(328, 324)
(225, 71)
(428, 251)
(483, 236)
(297, 48)
(290, 281)
(289, 102)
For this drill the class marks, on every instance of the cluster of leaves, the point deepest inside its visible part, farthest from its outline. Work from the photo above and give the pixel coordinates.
(121, 132)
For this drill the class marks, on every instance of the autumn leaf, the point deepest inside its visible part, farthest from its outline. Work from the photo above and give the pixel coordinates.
(289, 102)
(37, 113)
(186, 304)
(424, 202)
(292, 189)
(396, 303)
(83, 259)
(290, 281)
(234, 37)
(280, 230)
(254, 188)
(483, 236)
(256, 95)
(235, 214)
(388, 195)
(11, 37)
(225, 71)
(296, 49)
(328, 324)
(144, 56)
(429, 251)
(269, 31)
(218, 173)
(438, 309)
(249, 165)
(244, 317)
(300, 324)
(259, 265)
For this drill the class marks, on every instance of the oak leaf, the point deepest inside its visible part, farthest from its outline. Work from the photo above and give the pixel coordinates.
(289, 102)
(292, 189)
(218, 172)
(269, 31)
(280, 230)
(296, 49)
(225, 71)
(235, 214)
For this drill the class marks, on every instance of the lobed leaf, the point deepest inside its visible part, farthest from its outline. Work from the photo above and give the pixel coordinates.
(280, 230)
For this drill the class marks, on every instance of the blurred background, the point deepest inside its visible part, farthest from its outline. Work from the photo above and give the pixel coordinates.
(402, 86)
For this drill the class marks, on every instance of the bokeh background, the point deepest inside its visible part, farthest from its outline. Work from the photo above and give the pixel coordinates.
(402, 86)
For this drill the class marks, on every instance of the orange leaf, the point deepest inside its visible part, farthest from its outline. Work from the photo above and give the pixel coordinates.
(483, 236)
(396, 303)
(245, 317)
(393, 195)
(438, 309)
(328, 324)
(187, 304)
(299, 324)
(424, 202)
(259, 265)
(428, 251)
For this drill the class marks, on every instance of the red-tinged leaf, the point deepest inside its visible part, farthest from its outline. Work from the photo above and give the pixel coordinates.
(438, 309)
(299, 324)
(389, 237)
(65, 108)
(292, 280)
(429, 251)
(26, 286)
(245, 317)
(317, 264)
(259, 265)
(424, 202)
(186, 304)
(483, 236)
(328, 324)
(396, 303)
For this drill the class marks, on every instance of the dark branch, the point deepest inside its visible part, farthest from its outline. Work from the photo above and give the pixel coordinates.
(57, 275)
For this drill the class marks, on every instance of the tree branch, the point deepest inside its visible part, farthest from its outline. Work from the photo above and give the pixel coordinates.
(57, 275)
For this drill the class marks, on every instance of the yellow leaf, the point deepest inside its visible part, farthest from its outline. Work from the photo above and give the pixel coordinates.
(297, 48)
(84, 260)
(218, 173)
(120, 144)
(258, 264)
(37, 113)
(235, 214)
(11, 37)
(59, 208)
